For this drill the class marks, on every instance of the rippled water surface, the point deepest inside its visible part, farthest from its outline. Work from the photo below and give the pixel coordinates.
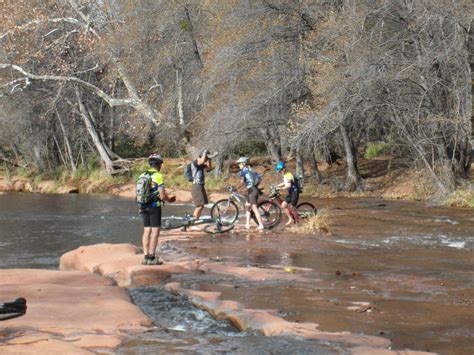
(399, 270)
(36, 229)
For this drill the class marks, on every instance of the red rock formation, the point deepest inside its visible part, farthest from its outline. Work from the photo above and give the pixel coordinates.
(68, 312)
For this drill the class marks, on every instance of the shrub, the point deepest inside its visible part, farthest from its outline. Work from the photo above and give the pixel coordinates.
(375, 149)
(317, 224)
(460, 198)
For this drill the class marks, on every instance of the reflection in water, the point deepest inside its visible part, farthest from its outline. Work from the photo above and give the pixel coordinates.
(36, 229)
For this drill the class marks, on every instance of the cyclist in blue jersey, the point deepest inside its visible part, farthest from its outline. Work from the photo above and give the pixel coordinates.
(249, 180)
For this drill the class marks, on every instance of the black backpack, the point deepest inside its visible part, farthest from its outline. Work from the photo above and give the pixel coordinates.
(188, 172)
(298, 181)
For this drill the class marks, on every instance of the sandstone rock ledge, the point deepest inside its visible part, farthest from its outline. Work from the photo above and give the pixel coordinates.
(122, 263)
(68, 312)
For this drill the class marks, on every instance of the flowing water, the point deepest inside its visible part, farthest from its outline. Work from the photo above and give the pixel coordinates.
(400, 270)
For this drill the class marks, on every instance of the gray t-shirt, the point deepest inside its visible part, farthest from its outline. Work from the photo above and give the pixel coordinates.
(198, 173)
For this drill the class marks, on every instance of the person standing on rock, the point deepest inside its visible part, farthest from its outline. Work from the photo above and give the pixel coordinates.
(198, 191)
(150, 194)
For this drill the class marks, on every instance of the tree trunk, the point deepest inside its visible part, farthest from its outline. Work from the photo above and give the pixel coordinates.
(299, 164)
(193, 39)
(352, 174)
(179, 87)
(316, 174)
(94, 135)
(66, 142)
(272, 141)
(219, 165)
(61, 156)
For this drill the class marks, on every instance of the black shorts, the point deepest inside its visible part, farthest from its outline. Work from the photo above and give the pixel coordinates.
(292, 198)
(151, 217)
(252, 195)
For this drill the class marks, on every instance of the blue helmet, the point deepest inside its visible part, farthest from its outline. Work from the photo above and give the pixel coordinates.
(279, 166)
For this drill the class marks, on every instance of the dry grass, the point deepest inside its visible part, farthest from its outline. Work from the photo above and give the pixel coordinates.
(460, 198)
(317, 224)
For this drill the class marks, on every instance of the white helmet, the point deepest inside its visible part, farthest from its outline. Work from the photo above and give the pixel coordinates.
(242, 160)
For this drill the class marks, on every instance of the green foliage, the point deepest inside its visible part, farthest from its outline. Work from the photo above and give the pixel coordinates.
(251, 148)
(184, 25)
(7, 173)
(127, 147)
(310, 189)
(215, 183)
(174, 178)
(375, 149)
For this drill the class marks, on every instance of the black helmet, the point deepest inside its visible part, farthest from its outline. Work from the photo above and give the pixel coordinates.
(155, 159)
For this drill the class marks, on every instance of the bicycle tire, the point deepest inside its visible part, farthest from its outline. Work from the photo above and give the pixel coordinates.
(270, 212)
(218, 228)
(174, 222)
(306, 210)
(226, 210)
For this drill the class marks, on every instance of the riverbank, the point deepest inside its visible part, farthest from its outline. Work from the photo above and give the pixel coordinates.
(383, 179)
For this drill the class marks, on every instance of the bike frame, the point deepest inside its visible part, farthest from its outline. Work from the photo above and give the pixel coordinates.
(277, 197)
(238, 198)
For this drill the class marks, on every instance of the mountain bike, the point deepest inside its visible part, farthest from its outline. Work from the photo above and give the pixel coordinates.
(304, 210)
(227, 210)
(214, 225)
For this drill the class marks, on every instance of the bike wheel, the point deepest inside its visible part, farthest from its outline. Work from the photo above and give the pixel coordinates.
(217, 228)
(270, 212)
(306, 210)
(225, 210)
(173, 222)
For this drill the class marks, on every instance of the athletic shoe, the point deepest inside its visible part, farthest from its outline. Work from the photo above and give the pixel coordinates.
(260, 227)
(145, 260)
(155, 261)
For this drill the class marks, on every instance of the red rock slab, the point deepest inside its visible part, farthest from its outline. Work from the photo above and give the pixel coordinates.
(68, 312)
(122, 263)
(181, 196)
(42, 346)
(4, 186)
(127, 190)
(216, 196)
(267, 323)
(35, 276)
(90, 258)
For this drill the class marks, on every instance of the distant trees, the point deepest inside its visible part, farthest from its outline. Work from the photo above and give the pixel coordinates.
(306, 78)
(398, 70)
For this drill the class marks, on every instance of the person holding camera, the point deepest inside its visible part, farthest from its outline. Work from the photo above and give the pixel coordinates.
(198, 191)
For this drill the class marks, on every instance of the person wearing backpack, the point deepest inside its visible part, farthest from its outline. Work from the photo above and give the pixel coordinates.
(291, 184)
(150, 194)
(250, 179)
(198, 168)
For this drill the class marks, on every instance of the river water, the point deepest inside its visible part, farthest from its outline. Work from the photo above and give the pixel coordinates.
(400, 270)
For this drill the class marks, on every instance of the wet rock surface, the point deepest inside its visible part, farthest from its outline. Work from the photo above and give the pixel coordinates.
(68, 312)
(391, 271)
